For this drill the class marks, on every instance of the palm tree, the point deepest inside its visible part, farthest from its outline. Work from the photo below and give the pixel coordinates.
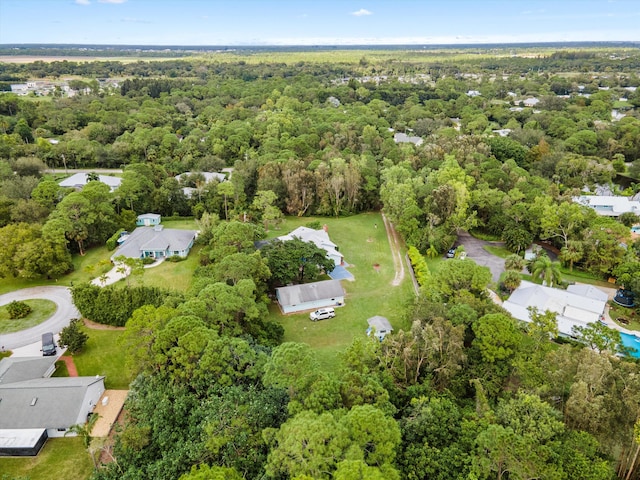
(543, 267)
(84, 432)
(571, 253)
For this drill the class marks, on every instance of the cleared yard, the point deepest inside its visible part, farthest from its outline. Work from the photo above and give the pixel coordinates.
(103, 355)
(40, 311)
(362, 239)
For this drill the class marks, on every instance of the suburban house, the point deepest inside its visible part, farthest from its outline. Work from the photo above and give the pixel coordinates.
(310, 296)
(576, 307)
(609, 205)
(34, 407)
(208, 178)
(320, 238)
(148, 220)
(156, 242)
(79, 180)
(404, 138)
(530, 102)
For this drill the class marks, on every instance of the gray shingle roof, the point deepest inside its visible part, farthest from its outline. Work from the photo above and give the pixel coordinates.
(57, 402)
(151, 238)
(309, 292)
(18, 369)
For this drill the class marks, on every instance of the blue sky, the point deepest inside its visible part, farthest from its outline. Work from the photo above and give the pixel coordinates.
(316, 22)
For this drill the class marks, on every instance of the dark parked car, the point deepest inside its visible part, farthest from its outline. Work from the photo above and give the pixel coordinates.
(451, 253)
(48, 344)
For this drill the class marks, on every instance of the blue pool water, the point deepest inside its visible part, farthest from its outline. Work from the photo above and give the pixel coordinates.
(631, 341)
(635, 229)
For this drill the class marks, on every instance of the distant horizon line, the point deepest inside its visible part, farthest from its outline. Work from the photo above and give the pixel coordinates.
(320, 45)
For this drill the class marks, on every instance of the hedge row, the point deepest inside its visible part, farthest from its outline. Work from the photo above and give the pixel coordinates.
(114, 305)
(420, 267)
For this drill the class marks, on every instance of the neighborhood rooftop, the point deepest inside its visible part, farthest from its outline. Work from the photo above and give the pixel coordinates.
(145, 240)
(310, 292)
(79, 180)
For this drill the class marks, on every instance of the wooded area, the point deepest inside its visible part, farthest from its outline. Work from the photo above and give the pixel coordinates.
(467, 391)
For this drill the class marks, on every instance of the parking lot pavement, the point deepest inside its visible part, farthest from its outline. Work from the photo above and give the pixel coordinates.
(475, 251)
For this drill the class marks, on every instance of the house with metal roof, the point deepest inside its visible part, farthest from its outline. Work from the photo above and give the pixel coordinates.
(310, 296)
(156, 242)
(79, 180)
(320, 238)
(34, 407)
(609, 205)
(575, 308)
(148, 220)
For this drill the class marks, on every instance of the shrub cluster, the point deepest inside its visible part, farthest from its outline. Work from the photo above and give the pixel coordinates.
(112, 243)
(17, 309)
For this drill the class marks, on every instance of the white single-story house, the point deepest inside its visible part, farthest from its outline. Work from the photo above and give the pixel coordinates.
(379, 326)
(148, 220)
(572, 308)
(208, 178)
(609, 205)
(156, 242)
(320, 238)
(34, 407)
(530, 102)
(79, 180)
(404, 138)
(473, 93)
(310, 296)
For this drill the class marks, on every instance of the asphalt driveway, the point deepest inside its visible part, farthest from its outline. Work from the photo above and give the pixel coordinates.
(475, 251)
(66, 310)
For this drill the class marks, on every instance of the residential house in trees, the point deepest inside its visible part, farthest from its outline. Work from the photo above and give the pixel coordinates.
(34, 407)
(148, 220)
(320, 238)
(310, 296)
(609, 205)
(79, 180)
(156, 242)
(208, 178)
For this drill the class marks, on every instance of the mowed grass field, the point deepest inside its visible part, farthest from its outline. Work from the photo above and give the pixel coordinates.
(362, 240)
(40, 311)
(59, 458)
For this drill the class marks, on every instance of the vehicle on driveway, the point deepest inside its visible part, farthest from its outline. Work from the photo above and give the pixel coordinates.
(48, 344)
(322, 313)
(451, 253)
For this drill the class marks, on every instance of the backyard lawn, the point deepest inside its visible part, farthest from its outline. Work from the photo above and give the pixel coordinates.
(362, 240)
(103, 355)
(59, 458)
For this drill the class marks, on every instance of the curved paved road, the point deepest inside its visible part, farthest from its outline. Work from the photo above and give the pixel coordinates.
(66, 310)
(475, 250)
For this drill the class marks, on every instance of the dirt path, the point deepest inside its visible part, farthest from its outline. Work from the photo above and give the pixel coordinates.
(394, 243)
(98, 326)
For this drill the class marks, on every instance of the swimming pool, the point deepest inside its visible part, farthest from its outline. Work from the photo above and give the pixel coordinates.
(631, 341)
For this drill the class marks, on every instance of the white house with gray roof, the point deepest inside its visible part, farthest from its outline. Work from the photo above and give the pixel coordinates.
(609, 205)
(575, 308)
(310, 296)
(156, 242)
(34, 407)
(79, 180)
(320, 238)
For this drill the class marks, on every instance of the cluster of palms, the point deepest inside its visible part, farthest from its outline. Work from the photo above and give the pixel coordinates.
(541, 267)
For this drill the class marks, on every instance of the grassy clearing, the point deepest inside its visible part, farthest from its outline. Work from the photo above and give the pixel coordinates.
(363, 245)
(61, 369)
(59, 458)
(40, 311)
(180, 224)
(501, 252)
(170, 275)
(630, 314)
(104, 356)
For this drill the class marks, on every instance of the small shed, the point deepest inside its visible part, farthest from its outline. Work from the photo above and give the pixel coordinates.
(310, 296)
(379, 326)
(148, 220)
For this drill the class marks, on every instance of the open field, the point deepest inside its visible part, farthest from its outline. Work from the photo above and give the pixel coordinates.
(363, 245)
(59, 458)
(40, 311)
(79, 59)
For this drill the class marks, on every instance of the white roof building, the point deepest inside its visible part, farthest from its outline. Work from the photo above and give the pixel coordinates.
(318, 237)
(404, 138)
(609, 205)
(573, 308)
(79, 180)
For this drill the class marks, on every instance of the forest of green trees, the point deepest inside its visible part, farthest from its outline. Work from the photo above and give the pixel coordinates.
(467, 392)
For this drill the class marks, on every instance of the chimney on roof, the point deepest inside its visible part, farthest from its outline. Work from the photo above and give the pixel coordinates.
(325, 228)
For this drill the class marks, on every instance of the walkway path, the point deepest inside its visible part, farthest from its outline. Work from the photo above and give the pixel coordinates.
(71, 366)
(66, 310)
(394, 243)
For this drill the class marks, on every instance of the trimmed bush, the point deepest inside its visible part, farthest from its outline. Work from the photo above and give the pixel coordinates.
(17, 309)
(112, 243)
(148, 260)
(176, 258)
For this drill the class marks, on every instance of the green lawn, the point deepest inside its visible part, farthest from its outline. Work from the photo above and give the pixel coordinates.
(59, 458)
(631, 314)
(61, 369)
(501, 252)
(103, 355)
(180, 223)
(363, 245)
(170, 275)
(41, 310)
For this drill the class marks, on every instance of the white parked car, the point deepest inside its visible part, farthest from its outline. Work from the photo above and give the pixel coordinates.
(322, 313)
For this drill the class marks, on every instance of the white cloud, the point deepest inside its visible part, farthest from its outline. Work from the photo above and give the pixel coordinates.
(111, 1)
(83, 2)
(361, 13)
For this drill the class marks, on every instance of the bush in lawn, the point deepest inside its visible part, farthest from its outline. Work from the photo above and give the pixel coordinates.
(114, 305)
(73, 337)
(148, 260)
(17, 309)
(176, 258)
